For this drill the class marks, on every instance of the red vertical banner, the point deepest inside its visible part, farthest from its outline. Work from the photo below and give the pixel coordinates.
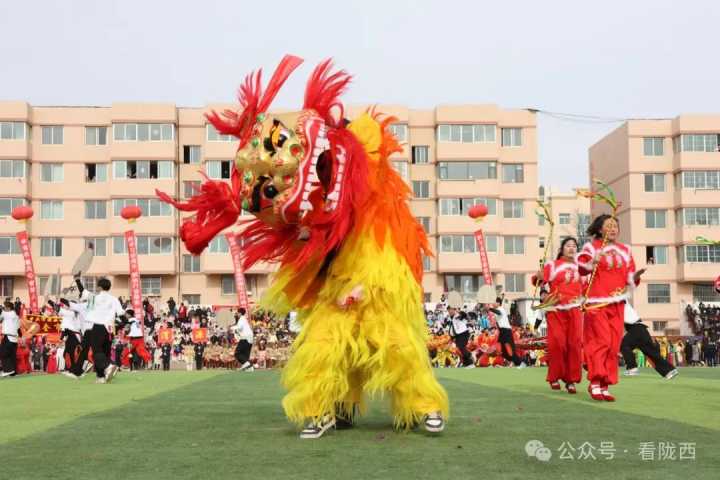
(480, 239)
(24, 244)
(240, 286)
(135, 290)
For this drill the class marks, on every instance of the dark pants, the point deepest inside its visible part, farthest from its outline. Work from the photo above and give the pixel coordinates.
(8, 355)
(72, 348)
(166, 362)
(198, 362)
(242, 351)
(100, 344)
(461, 341)
(77, 367)
(637, 336)
(507, 345)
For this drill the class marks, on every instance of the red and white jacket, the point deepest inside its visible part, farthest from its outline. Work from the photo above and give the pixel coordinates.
(615, 272)
(563, 278)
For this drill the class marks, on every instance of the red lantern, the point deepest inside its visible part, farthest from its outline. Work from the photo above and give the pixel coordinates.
(131, 213)
(717, 284)
(22, 213)
(478, 211)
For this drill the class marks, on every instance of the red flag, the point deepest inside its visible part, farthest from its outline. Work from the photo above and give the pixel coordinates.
(239, 275)
(480, 239)
(165, 336)
(199, 335)
(24, 243)
(135, 290)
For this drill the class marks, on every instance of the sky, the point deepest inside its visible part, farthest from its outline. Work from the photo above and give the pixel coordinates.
(611, 59)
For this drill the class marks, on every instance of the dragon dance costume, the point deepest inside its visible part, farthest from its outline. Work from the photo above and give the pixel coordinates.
(334, 214)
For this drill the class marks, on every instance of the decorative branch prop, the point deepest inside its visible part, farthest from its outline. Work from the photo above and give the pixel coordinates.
(544, 210)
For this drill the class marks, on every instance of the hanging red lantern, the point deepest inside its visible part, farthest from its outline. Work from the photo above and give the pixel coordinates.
(23, 213)
(131, 213)
(717, 284)
(478, 211)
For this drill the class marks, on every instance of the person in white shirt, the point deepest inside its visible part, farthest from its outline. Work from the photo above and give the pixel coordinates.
(637, 336)
(70, 333)
(461, 334)
(8, 348)
(82, 365)
(505, 337)
(103, 308)
(245, 336)
(137, 339)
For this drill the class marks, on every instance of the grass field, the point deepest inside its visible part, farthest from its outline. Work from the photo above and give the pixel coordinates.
(207, 425)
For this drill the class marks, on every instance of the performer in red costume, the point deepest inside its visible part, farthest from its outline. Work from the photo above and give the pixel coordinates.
(611, 268)
(564, 319)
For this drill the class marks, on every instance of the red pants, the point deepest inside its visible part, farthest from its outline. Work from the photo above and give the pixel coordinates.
(564, 344)
(603, 333)
(138, 345)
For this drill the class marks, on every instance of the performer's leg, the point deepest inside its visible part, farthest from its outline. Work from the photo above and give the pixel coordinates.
(556, 347)
(9, 355)
(616, 330)
(573, 348)
(627, 348)
(99, 343)
(596, 335)
(652, 351)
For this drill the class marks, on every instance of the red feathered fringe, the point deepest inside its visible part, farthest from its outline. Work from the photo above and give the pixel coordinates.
(253, 101)
(323, 91)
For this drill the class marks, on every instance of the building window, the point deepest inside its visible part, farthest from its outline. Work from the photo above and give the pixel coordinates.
(219, 245)
(146, 245)
(227, 285)
(143, 132)
(191, 298)
(191, 264)
(654, 182)
(427, 266)
(6, 287)
(481, 133)
(655, 218)
(512, 137)
(99, 246)
(696, 143)
(218, 170)
(95, 209)
(653, 146)
(513, 173)
(12, 168)
(51, 172)
(458, 244)
(191, 154)
(214, 136)
(514, 282)
(12, 131)
(421, 188)
(95, 135)
(399, 130)
(95, 172)
(51, 247)
(9, 246)
(461, 206)
(659, 326)
(706, 216)
(425, 222)
(466, 285)
(150, 286)
(704, 293)
(143, 169)
(514, 245)
(541, 242)
(701, 180)
(656, 255)
(149, 207)
(51, 209)
(512, 209)
(191, 188)
(53, 289)
(401, 167)
(420, 154)
(8, 204)
(564, 219)
(467, 170)
(52, 135)
(658, 292)
(702, 253)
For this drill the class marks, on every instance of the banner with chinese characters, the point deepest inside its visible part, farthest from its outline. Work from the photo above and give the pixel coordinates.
(240, 286)
(165, 336)
(48, 324)
(135, 290)
(199, 335)
(24, 243)
(480, 239)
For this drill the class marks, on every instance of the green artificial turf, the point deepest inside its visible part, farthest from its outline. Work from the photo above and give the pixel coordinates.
(216, 424)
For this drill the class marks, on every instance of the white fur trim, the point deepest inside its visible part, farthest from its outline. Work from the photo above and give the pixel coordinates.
(615, 299)
(554, 272)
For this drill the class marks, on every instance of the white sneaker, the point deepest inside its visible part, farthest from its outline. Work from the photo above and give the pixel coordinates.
(633, 372)
(472, 365)
(87, 367)
(672, 374)
(316, 430)
(70, 375)
(110, 373)
(246, 366)
(434, 422)
(7, 374)
(521, 366)
(101, 380)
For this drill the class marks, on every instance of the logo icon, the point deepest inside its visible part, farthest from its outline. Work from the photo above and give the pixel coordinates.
(535, 448)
